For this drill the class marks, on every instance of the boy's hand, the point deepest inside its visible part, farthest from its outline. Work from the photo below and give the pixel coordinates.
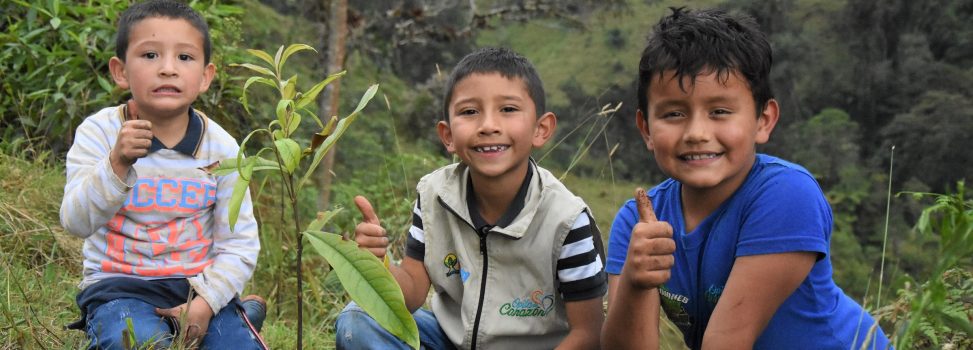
(369, 234)
(196, 321)
(650, 249)
(134, 141)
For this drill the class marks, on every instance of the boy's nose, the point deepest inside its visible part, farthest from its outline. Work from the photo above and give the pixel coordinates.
(490, 123)
(168, 67)
(697, 129)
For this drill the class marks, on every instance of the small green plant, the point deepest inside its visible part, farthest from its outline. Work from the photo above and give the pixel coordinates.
(939, 308)
(361, 273)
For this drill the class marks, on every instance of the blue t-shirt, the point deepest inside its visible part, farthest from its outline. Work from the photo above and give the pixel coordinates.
(779, 208)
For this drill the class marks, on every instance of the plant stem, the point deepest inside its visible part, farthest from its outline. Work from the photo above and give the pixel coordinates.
(888, 206)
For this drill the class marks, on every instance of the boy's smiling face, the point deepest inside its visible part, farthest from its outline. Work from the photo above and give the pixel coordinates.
(706, 136)
(493, 126)
(164, 66)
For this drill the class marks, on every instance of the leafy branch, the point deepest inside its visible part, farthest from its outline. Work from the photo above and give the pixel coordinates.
(373, 286)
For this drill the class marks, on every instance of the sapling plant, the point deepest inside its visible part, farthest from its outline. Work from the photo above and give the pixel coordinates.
(363, 276)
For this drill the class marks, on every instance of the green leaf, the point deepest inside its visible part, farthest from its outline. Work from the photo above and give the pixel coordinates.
(290, 153)
(280, 51)
(289, 88)
(55, 22)
(263, 55)
(240, 191)
(311, 94)
(105, 85)
(229, 166)
(255, 68)
(262, 80)
(290, 51)
(955, 321)
(294, 123)
(281, 111)
(323, 217)
(343, 124)
(369, 284)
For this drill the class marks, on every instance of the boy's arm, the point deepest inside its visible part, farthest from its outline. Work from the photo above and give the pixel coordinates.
(633, 295)
(757, 286)
(93, 192)
(585, 318)
(414, 281)
(234, 253)
(633, 317)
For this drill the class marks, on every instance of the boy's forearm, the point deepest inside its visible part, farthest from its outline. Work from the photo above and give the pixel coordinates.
(93, 193)
(412, 279)
(585, 317)
(633, 317)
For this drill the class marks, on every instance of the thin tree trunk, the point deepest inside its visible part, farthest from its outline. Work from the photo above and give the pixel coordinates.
(337, 34)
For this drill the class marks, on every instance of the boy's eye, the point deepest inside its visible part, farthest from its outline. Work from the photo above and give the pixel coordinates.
(467, 111)
(150, 55)
(722, 112)
(668, 115)
(509, 109)
(185, 57)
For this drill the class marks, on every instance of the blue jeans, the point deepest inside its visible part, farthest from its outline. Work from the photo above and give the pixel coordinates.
(355, 330)
(227, 329)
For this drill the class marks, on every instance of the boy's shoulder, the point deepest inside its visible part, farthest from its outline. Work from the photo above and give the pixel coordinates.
(109, 114)
(774, 179)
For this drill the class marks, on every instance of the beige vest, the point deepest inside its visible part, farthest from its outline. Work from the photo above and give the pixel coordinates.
(521, 306)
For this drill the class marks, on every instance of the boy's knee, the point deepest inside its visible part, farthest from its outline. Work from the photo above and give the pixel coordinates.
(354, 326)
(108, 327)
(120, 336)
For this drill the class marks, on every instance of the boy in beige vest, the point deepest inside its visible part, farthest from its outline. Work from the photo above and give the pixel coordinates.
(515, 260)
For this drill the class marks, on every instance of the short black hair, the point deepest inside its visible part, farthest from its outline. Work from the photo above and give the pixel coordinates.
(496, 60)
(159, 8)
(701, 42)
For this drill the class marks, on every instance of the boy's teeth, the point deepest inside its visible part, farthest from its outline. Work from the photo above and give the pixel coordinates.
(491, 148)
(700, 156)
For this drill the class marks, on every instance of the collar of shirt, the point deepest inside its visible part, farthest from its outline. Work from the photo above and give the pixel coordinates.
(191, 141)
(512, 211)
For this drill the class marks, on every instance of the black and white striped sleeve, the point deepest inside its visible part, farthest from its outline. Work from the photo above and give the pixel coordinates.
(580, 266)
(415, 244)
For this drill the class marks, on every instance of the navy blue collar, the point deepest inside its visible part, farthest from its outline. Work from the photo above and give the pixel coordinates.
(191, 141)
(512, 211)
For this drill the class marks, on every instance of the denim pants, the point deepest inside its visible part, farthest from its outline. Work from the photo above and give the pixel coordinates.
(227, 329)
(355, 330)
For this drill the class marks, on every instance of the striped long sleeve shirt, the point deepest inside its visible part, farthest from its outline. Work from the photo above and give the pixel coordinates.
(168, 218)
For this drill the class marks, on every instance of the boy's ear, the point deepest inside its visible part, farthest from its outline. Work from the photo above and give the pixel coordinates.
(766, 121)
(445, 135)
(208, 74)
(642, 123)
(117, 68)
(544, 129)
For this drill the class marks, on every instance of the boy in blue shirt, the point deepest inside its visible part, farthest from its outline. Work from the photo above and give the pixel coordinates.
(734, 246)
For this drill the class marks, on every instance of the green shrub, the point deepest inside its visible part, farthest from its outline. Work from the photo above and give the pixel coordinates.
(54, 58)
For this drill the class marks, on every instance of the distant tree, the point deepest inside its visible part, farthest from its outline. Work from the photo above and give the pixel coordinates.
(934, 136)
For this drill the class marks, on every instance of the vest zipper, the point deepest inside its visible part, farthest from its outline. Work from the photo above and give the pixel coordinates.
(479, 305)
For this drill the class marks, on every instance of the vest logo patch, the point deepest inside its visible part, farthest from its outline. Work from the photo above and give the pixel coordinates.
(537, 304)
(452, 264)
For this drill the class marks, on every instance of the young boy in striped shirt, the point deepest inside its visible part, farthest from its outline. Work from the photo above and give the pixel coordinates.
(158, 246)
(515, 259)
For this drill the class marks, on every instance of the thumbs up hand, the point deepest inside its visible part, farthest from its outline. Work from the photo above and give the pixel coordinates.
(369, 234)
(650, 248)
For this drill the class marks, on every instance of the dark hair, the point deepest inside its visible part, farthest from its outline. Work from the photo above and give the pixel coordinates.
(496, 60)
(701, 42)
(159, 8)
